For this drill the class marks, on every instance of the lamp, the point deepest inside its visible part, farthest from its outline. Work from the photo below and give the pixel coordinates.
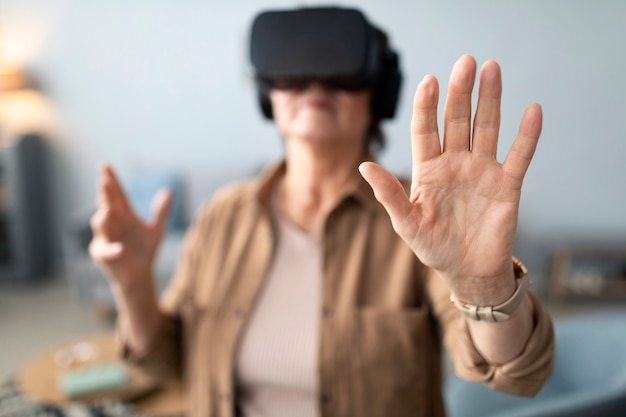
(23, 109)
(12, 79)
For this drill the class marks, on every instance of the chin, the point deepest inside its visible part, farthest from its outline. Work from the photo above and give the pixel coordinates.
(318, 136)
(317, 129)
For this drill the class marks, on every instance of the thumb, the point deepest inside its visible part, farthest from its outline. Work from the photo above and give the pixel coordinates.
(160, 208)
(388, 191)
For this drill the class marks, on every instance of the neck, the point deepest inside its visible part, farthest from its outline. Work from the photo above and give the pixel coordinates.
(314, 181)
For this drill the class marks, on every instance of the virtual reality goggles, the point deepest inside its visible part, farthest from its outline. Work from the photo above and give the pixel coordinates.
(336, 46)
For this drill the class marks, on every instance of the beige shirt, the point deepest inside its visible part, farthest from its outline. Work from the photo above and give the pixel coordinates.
(276, 364)
(383, 315)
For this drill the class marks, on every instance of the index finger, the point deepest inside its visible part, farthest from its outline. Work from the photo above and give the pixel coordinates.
(111, 191)
(523, 148)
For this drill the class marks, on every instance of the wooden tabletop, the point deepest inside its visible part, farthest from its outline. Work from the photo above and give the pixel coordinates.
(38, 378)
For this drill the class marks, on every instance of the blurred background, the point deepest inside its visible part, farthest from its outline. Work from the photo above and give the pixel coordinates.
(162, 90)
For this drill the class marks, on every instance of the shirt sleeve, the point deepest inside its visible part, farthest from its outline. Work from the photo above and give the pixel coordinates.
(523, 375)
(163, 356)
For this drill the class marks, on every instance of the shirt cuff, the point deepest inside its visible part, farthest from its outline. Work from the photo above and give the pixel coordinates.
(523, 375)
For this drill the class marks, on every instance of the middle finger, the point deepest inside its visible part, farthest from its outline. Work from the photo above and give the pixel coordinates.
(458, 109)
(487, 119)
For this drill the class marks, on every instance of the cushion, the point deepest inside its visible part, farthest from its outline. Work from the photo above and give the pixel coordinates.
(142, 187)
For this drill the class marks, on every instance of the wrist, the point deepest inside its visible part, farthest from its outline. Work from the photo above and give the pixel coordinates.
(137, 287)
(487, 290)
(499, 310)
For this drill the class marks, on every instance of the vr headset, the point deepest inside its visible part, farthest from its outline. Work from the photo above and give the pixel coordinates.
(334, 45)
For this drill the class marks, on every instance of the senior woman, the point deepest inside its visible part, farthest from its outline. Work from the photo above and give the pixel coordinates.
(303, 292)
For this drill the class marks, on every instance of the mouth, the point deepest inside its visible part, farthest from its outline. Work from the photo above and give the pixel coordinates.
(318, 103)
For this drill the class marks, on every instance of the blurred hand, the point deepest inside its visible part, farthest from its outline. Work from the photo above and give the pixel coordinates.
(461, 215)
(123, 244)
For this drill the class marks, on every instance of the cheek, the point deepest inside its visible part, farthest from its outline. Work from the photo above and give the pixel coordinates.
(282, 102)
(358, 108)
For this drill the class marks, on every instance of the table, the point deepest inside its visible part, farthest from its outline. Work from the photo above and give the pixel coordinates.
(37, 383)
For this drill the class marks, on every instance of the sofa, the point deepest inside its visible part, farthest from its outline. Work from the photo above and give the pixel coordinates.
(589, 378)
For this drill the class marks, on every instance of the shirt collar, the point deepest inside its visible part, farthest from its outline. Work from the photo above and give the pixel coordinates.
(356, 189)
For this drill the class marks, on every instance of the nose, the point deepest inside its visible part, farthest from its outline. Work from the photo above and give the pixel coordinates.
(320, 87)
(316, 85)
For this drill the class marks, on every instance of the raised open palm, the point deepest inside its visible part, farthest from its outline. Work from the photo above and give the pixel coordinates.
(461, 215)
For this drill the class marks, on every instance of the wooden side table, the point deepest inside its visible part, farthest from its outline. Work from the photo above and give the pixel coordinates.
(38, 380)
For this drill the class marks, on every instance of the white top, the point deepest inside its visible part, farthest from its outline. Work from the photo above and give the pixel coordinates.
(276, 366)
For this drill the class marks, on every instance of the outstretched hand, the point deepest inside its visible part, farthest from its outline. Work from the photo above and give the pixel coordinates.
(461, 215)
(123, 244)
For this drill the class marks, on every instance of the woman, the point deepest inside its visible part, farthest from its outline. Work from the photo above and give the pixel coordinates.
(301, 292)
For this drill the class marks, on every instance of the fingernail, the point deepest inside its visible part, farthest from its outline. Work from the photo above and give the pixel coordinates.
(428, 88)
